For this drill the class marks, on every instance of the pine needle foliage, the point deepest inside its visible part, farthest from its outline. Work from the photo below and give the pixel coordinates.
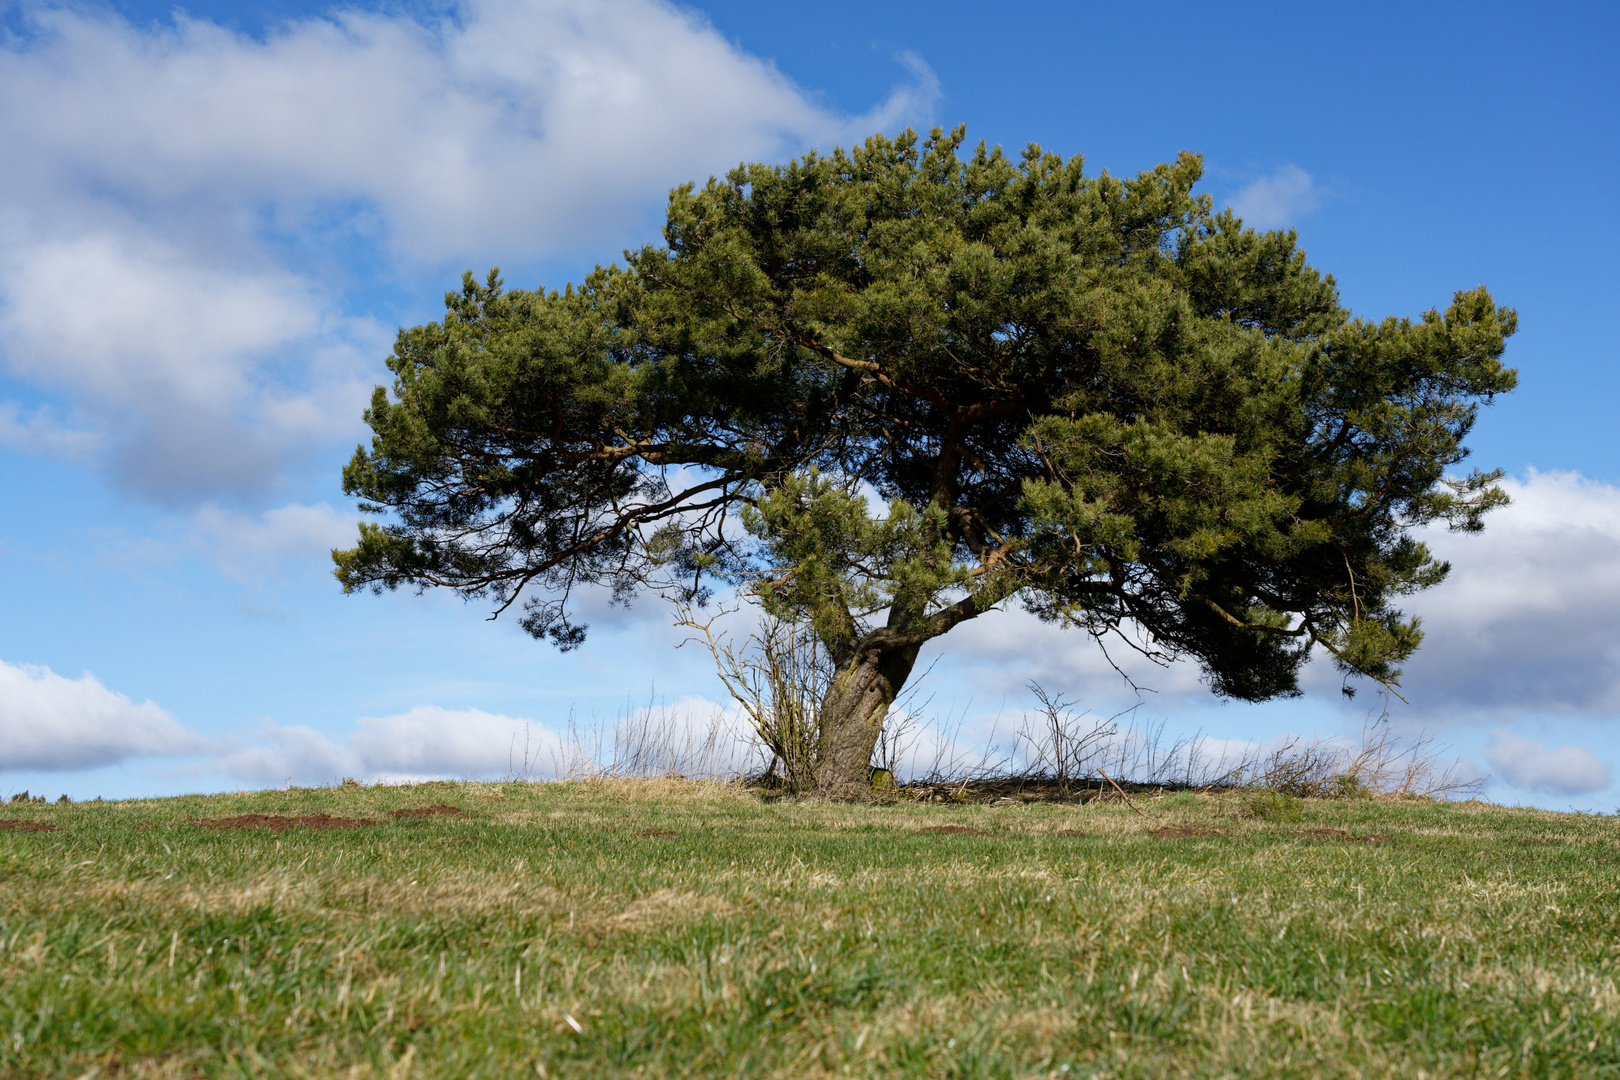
(888, 389)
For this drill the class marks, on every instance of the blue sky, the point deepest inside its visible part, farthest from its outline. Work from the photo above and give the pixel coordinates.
(214, 217)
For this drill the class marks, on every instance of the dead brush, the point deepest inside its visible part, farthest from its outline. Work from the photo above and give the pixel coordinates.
(779, 678)
(1062, 745)
(1381, 765)
(652, 742)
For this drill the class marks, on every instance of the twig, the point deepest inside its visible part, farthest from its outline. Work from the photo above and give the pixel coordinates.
(1126, 797)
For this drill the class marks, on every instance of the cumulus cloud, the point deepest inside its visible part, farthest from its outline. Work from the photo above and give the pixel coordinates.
(1527, 623)
(1529, 620)
(1278, 200)
(1007, 648)
(172, 355)
(51, 722)
(174, 200)
(692, 737)
(528, 122)
(1564, 770)
(427, 741)
(246, 547)
(41, 431)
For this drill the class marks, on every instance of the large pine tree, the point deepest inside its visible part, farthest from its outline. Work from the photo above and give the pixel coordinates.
(1090, 395)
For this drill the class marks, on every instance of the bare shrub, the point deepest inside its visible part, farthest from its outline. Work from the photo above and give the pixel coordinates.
(1392, 768)
(1382, 765)
(656, 740)
(1062, 743)
(953, 764)
(1301, 769)
(894, 740)
(779, 678)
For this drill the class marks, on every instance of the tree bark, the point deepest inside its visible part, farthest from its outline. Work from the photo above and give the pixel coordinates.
(852, 715)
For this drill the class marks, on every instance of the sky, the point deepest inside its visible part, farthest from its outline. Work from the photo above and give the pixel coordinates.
(215, 216)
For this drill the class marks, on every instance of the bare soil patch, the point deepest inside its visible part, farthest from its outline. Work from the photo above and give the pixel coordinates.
(26, 826)
(1174, 832)
(964, 829)
(428, 811)
(282, 821)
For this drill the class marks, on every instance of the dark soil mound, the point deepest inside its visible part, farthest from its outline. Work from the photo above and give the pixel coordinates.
(26, 826)
(955, 829)
(1172, 832)
(282, 821)
(428, 811)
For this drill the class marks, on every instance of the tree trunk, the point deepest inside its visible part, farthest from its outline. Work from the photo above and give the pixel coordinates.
(852, 715)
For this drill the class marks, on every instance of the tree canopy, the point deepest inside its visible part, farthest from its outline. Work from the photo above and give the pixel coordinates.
(889, 389)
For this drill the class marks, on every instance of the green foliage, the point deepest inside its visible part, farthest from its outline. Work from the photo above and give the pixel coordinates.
(1093, 394)
(1348, 786)
(1271, 805)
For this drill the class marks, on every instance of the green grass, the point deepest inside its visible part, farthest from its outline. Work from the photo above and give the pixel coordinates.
(801, 938)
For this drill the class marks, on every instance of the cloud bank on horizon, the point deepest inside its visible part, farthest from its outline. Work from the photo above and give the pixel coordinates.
(52, 723)
(1563, 770)
(1498, 649)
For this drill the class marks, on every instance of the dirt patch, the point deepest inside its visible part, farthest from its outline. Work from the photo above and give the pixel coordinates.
(428, 811)
(656, 832)
(26, 826)
(963, 829)
(282, 821)
(1340, 834)
(1175, 832)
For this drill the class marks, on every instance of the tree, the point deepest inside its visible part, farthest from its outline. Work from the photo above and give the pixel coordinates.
(1092, 395)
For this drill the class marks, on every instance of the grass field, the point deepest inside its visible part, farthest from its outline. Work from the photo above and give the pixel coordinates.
(665, 928)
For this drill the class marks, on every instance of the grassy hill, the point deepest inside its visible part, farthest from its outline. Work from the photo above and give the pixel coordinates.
(665, 928)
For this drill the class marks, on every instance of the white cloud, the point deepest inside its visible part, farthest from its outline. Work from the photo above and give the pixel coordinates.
(1010, 647)
(172, 354)
(1527, 623)
(1529, 619)
(40, 431)
(1278, 200)
(142, 331)
(247, 547)
(424, 742)
(430, 741)
(175, 201)
(502, 122)
(1564, 770)
(51, 722)
(692, 737)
